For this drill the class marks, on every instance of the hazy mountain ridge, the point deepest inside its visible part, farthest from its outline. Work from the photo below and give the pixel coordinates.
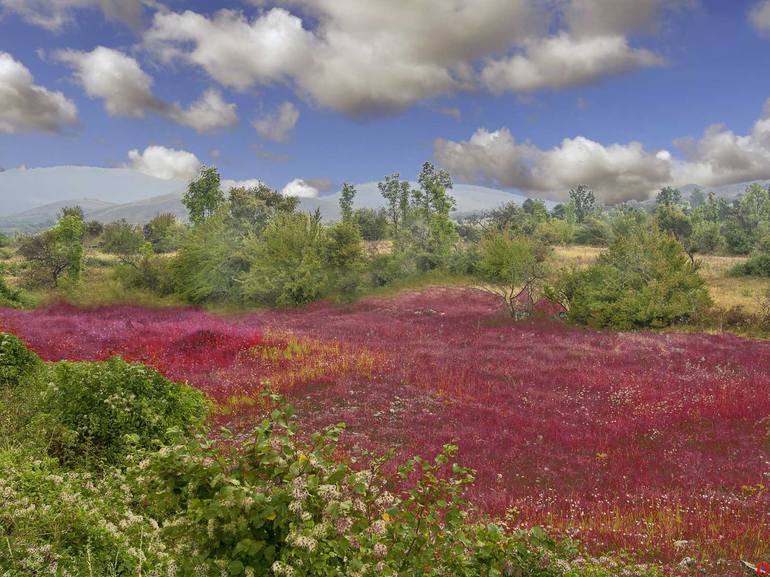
(137, 198)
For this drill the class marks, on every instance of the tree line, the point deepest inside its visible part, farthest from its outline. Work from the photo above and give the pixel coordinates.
(252, 247)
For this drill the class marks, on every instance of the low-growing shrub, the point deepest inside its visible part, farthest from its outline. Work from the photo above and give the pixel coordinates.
(109, 408)
(16, 360)
(757, 265)
(63, 522)
(276, 505)
(10, 297)
(644, 280)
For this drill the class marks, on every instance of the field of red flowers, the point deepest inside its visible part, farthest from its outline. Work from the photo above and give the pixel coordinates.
(654, 443)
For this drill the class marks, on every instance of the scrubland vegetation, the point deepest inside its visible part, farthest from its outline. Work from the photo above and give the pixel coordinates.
(578, 364)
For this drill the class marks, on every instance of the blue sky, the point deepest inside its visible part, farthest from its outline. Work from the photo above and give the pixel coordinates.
(493, 112)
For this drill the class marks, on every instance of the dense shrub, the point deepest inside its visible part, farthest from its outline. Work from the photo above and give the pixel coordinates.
(757, 265)
(104, 410)
(63, 522)
(281, 506)
(16, 361)
(270, 503)
(287, 265)
(644, 280)
(10, 297)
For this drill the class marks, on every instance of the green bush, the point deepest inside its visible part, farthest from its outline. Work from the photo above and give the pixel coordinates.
(757, 265)
(16, 361)
(63, 522)
(644, 280)
(104, 410)
(10, 297)
(287, 266)
(276, 505)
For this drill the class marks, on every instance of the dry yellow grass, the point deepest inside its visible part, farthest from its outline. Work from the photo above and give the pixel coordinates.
(726, 291)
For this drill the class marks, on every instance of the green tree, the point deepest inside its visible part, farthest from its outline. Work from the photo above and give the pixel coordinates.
(673, 220)
(286, 262)
(251, 209)
(697, 198)
(669, 196)
(584, 201)
(373, 223)
(396, 194)
(163, 232)
(515, 269)
(346, 201)
(210, 261)
(203, 196)
(124, 240)
(56, 253)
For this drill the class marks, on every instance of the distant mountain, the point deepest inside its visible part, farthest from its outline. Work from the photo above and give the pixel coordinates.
(45, 216)
(22, 189)
(728, 191)
(142, 211)
(123, 183)
(469, 199)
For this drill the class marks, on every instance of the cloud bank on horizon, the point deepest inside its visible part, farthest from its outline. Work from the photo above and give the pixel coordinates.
(359, 62)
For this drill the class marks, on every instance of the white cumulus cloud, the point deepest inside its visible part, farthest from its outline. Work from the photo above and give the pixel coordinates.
(367, 57)
(278, 126)
(116, 78)
(165, 163)
(126, 90)
(617, 172)
(562, 61)
(209, 114)
(300, 189)
(26, 106)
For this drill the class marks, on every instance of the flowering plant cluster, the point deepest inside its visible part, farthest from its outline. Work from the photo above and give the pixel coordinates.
(648, 442)
(273, 502)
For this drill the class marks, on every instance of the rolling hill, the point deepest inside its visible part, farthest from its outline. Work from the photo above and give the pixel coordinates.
(22, 189)
(110, 194)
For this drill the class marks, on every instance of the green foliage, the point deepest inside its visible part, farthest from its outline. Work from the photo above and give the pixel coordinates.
(396, 194)
(164, 233)
(583, 200)
(758, 265)
(67, 522)
(373, 223)
(707, 237)
(17, 362)
(10, 297)
(672, 219)
(342, 251)
(203, 196)
(669, 197)
(346, 201)
(56, 253)
(209, 261)
(286, 262)
(102, 411)
(515, 268)
(251, 209)
(644, 280)
(124, 240)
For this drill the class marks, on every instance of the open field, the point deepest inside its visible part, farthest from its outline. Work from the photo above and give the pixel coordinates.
(653, 443)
